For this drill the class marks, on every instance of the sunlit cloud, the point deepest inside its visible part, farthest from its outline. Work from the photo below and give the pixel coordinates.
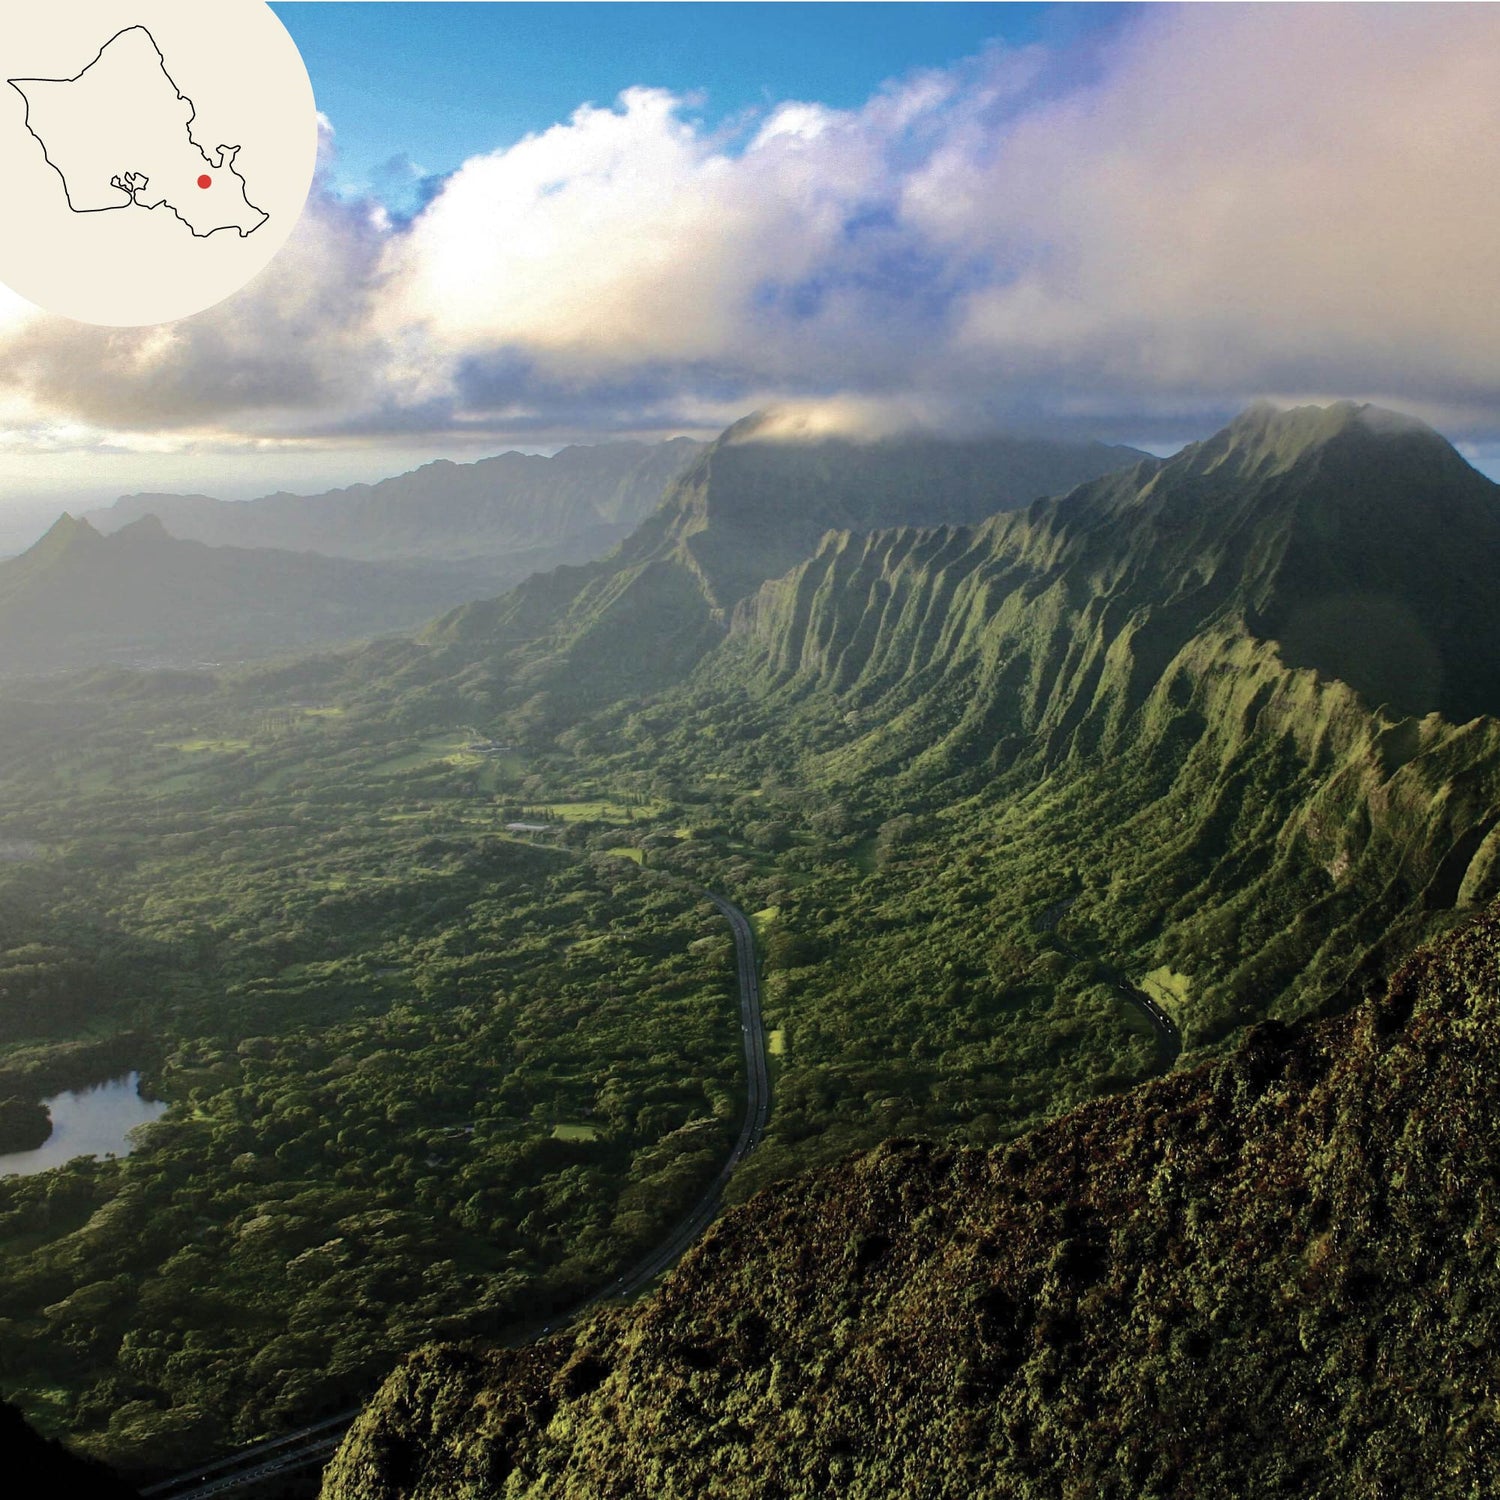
(1233, 201)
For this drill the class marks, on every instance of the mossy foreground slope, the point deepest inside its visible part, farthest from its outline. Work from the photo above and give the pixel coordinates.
(1274, 1275)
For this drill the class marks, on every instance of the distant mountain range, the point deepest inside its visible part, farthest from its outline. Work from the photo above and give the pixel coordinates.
(515, 512)
(140, 597)
(183, 579)
(164, 579)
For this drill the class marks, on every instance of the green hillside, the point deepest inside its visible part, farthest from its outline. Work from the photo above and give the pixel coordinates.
(1273, 1275)
(140, 597)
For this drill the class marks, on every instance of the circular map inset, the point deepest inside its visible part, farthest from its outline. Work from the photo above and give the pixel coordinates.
(155, 156)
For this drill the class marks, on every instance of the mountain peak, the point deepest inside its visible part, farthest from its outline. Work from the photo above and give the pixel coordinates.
(1281, 435)
(65, 534)
(1358, 537)
(147, 529)
(67, 524)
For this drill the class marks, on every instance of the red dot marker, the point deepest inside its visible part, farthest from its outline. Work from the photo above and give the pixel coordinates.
(205, 181)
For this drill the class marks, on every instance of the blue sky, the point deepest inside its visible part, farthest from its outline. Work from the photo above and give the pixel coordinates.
(1124, 222)
(502, 71)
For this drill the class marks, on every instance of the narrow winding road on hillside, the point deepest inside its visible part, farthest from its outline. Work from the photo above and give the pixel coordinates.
(1165, 1030)
(315, 1444)
(1168, 1036)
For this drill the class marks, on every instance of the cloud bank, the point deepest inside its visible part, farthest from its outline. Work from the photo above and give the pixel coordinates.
(1294, 201)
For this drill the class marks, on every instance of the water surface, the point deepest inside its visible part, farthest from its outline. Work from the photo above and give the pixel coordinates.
(89, 1122)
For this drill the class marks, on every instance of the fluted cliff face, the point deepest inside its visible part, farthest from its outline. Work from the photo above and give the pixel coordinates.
(747, 509)
(1124, 675)
(1359, 547)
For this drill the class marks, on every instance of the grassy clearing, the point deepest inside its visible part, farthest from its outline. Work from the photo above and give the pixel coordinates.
(447, 748)
(632, 853)
(575, 1133)
(762, 921)
(1170, 991)
(776, 1042)
(504, 762)
(601, 812)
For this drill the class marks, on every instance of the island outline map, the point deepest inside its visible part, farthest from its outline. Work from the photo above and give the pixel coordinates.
(225, 204)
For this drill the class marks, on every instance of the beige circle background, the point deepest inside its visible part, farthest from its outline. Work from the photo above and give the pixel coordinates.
(131, 266)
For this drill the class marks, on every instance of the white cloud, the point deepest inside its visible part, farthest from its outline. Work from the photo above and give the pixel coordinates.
(1252, 195)
(1233, 201)
(624, 236)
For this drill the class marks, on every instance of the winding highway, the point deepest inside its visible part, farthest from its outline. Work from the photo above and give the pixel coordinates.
(315, 1444)
(1163, 1027)
(757, 1113)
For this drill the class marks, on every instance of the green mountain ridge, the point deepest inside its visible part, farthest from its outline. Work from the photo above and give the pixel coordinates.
(522, 509)
(1361, 553)
(79, 599)
(1272, 1275)
(747, 509)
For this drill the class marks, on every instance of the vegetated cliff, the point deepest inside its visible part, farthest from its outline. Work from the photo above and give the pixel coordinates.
(747, 509)
(1273, 1275)
(1254, 686)
(1356, 541)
